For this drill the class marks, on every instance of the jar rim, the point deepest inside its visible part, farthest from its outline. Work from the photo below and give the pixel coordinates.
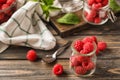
(13, 4)
(104, 7)
(88, 54)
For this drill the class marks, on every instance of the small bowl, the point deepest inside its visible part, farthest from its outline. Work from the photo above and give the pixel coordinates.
(6, 13)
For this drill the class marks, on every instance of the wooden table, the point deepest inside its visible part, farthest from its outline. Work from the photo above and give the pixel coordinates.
(14, 66)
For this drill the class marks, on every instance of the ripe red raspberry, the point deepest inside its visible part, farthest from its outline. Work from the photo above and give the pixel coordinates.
(83, 58)
(78, 45)
(10, 1)
(88, 65)
(87, 39)
(96, 6)
(90, 2)
(93, 13)
(80, 70)
(85, 13)
(57, 69)
(88, 47)
(104, 2)
(98, 1)
(97, 20)
(89, 18)
(102, 45)
(74, 60)
(94, 39)
(2, 1)
(2, 16)
(97, 51)
(31, 55)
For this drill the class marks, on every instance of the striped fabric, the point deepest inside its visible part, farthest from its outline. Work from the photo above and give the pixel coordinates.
(25, 28)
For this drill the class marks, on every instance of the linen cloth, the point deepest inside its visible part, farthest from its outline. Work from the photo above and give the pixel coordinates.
(25, 28)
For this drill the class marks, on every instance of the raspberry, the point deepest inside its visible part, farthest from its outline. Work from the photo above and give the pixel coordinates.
(90, 2)
(98, 1)
(87, 39)
(104, 2)
(94, 39)
(85, 13)
(2, 16)
(88, 65)
(102, 45)
(89, 18)
(97, 51)
(97, 20)
(58, 69)
(10, 1)
(93, 13)
(96, 6)
(83, 58)
(31, 55)
(80, 70)
(74, 60)
(78, 45)
(2, 1)
(88, 47)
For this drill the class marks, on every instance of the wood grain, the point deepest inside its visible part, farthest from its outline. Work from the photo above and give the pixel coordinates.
(24, 70)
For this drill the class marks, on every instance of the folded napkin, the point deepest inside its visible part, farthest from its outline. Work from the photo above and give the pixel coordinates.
(25, 28)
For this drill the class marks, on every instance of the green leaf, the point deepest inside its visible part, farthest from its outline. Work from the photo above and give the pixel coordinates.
(53, 8)
(47, 2)
(114, 6)
(69, 18)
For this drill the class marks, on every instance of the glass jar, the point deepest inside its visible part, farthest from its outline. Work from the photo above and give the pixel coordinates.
(72, 5)
(83, 64)
(95, 13)
(7, 10)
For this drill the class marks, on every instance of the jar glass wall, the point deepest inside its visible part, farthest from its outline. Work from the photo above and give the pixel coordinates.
(83, 64)
(95, 13)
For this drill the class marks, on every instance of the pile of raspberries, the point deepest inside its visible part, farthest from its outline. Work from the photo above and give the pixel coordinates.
(84, 64)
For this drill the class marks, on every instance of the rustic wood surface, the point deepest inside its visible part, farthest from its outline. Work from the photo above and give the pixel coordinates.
(14, 66)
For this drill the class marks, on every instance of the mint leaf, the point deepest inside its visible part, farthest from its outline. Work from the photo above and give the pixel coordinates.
(54, 8)
(47, 2)
(69, 18)
(114, 6)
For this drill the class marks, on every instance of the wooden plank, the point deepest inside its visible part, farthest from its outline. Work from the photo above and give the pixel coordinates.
(25, 70)
(113, 49)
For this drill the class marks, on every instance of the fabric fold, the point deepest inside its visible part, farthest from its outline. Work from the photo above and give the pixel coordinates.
(25, 28)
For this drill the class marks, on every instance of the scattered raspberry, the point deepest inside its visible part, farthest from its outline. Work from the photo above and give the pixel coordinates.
(97, 20)
(78, 45)
(80, 70)
(87, 39)
(31, 55)
(88, 47)
(74, 60)
(58, 69)
(90, 2)
(102, 45)
(88, 65)
(2, 1)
